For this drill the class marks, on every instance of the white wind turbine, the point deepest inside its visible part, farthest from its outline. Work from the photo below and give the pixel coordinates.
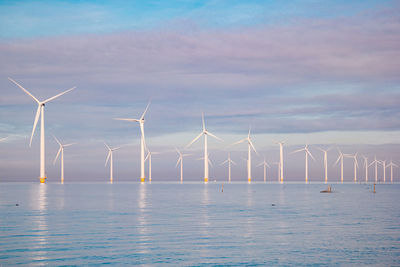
(61, 150)
(205, 133)
(265, 165)
(325, 162)
(355, 164)
(366, 168)
(391, 165)
(383, 162)
(40, 112)
(280, 161)
(307, 152)
(110, 157)
(142, 141)
(249, 147)
(341, 164)
(148, 157)
(376, 168)
(229, 161)
(180, 160)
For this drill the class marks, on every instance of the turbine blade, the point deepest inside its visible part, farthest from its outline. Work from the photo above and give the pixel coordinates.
(108, 157)
(223, 162)
(124, 119)
(58, 153)
(70, 144)
(55, 138)
(209, 161)
(214, 136)
(34, 124)
(233, 162)
(296, 151)
(148, 155)
(336, 162)
(240, 141)
(26, 91)
(309, 153)
(194, 140)
(179, 159)
(144, 113)
(60, 94)
(204, 124)
(252, 146)
(107, 146)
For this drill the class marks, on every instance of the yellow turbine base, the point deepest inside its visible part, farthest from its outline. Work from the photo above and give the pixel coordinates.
(249, 180)
(43, 180)
(205, 180)
(142, 179)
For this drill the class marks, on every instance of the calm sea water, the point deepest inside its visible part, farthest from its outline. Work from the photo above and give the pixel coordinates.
(197, 224)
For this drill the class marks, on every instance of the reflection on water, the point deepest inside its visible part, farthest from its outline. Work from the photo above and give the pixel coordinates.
(143, 229)
(196, 224)
(40, 240)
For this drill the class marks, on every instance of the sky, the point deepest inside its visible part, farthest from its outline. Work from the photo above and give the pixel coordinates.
(323, 73)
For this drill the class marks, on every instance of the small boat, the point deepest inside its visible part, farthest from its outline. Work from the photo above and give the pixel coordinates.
(328, 190)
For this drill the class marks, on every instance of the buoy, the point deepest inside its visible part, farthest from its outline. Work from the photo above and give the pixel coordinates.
(222, 190)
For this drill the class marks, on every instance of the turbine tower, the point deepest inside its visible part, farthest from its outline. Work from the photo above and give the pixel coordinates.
(148, 157)
(205, 133)
(325, 162)
(383, 162)
(180, 160)
(376, 168)
(110, 157)
(366, 168)
(142, 141)
(355, 164)
(280, 161)
(249, 147)
(61, 150)
(40, 112)
(341, 164)
(265, 165)
(391, 165)
(229, 161)
(307, 152)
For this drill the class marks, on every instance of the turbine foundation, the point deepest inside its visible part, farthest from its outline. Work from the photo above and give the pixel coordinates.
(43, 180)
(205, 180)
(142, 179)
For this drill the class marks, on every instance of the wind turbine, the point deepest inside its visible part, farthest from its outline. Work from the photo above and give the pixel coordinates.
(355, 164)
(383, 162)
(180, 160)
(307, 152)
(281, 161)
(148, 157)
(229, 161)
(366, 168)
(391, 165)
(40, 112)
(265, 165)
(61, 150)
(341, 164)
(249, 147)
(142, 141)
(325, 162)
(376, 168)
(205, 133)
(110, 157)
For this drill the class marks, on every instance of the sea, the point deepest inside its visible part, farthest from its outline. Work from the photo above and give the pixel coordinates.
(197, 224)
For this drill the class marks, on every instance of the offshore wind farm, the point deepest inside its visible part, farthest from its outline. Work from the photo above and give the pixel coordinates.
(200, 133)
